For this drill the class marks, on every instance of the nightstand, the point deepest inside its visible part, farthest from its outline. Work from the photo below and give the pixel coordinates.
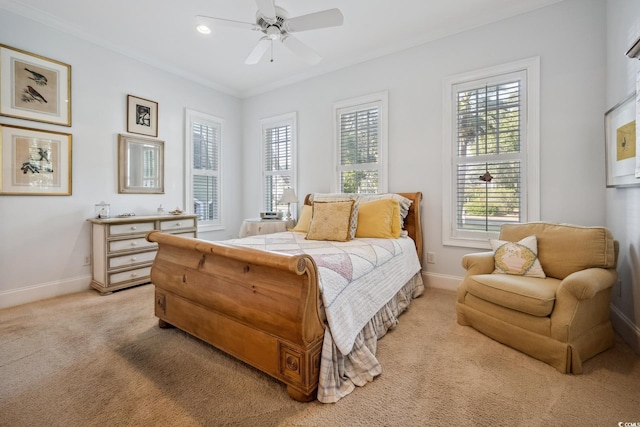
(253, 226)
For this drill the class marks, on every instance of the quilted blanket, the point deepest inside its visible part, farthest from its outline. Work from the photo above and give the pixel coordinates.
(357, 278)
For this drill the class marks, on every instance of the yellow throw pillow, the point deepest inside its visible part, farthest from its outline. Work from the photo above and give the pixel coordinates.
(331, 221)
(379, 218)
(305, 219)
(517, 258)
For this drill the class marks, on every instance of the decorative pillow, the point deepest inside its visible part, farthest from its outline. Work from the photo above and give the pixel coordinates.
(331, 221)
(517, 258)
(403, 201)
(337, 197)
(379, 218)
(305, 219)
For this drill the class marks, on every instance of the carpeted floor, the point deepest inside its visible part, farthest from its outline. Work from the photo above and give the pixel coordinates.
(90, 360)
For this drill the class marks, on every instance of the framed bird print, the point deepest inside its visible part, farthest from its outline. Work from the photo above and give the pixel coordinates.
(142, 116)
(34, 162)
(33, 87)
(620, 143)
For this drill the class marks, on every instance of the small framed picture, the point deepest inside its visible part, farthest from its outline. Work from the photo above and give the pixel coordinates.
(34, 162)
(142, 116)
(620, 143)
(33, 87)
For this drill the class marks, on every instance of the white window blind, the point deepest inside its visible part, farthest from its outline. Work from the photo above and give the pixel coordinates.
(488, 161)
(361, 144)
(491, 141)
(278, 168)
(204, 168)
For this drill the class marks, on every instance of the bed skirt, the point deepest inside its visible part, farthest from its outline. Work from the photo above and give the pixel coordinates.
(340, 374)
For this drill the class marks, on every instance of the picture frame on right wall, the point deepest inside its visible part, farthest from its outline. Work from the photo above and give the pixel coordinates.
(620, 143)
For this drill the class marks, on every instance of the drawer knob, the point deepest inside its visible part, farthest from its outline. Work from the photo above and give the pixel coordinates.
(134, 259)
(134, 274)
(134, 243)
(177, 224)
(133, 227)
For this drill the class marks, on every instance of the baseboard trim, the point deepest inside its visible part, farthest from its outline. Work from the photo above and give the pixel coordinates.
(42, 291)
(440, 281)
(629, 332)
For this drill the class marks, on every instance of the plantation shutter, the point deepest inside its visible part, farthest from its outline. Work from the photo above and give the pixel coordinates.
(206, 171)
(359, 149)
(278, 165)
(489, 158)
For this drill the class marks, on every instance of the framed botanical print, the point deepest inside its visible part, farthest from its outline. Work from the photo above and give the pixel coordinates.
(33, 87)
(620, 143)
(34, 162)
(142, 116)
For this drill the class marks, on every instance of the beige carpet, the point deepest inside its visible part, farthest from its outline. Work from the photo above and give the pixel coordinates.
(90, 360)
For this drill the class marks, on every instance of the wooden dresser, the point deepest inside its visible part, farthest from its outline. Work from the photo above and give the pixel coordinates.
(121, 256)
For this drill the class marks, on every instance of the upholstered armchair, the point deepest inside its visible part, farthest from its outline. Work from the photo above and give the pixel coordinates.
(561, 318)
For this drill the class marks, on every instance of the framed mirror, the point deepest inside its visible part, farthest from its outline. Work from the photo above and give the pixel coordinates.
(140, 165)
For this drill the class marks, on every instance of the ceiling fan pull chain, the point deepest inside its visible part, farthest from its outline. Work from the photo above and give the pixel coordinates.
(271, 51)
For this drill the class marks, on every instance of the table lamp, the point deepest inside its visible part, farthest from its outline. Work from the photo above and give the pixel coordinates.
(288, 197)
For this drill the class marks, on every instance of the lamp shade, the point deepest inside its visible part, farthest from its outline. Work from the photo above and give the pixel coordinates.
(289, 196)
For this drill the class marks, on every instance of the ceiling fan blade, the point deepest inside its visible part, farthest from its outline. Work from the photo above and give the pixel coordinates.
(316, 20)
(228, 22)
(267, 10)
(301, 49)
(258, 51)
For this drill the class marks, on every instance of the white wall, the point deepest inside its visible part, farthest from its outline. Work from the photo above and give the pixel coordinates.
(623, 204)
(569, 37)
(44, 239)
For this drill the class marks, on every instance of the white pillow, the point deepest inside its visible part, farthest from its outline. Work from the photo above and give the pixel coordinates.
(517, 258)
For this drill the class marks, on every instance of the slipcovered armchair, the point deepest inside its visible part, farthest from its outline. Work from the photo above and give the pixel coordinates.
(560, 317)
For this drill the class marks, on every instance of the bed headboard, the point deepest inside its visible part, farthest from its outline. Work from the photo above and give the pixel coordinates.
(412, 223)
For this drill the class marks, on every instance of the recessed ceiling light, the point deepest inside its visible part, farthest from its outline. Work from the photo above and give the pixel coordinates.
(203, 29)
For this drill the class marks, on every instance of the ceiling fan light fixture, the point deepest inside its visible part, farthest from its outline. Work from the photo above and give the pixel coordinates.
(203, 29)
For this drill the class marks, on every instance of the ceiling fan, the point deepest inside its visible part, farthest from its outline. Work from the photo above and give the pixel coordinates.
(275, 23)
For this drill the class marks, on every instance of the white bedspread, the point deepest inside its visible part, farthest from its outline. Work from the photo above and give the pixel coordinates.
(357, 278)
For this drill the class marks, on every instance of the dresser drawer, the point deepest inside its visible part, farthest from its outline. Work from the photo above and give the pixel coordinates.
(137, 227)
(136, 274)
(130, 244)
(177, 224)
(132, 259)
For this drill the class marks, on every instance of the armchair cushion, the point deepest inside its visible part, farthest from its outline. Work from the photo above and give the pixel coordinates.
(531, 295)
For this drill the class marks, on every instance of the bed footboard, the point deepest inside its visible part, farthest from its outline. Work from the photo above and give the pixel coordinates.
(263, 308)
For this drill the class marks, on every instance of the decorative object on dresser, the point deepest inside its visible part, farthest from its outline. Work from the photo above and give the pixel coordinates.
(121, 257)
(34, 162)
(33, 87)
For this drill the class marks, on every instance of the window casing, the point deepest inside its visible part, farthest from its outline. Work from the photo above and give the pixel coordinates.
(279, 136)
(491, 150)
(361, 144)
(203, 183)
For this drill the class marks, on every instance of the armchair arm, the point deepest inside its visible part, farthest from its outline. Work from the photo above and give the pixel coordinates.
(585, 284)
(478, 263)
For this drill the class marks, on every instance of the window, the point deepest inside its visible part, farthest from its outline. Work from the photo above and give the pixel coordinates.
(361, 144)
(203, 168)
(491, 147)
(278, 159)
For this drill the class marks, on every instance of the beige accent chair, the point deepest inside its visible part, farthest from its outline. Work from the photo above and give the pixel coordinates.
(562, 319)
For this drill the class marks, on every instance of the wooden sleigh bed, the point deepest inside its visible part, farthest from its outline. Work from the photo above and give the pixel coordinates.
(264, 308)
